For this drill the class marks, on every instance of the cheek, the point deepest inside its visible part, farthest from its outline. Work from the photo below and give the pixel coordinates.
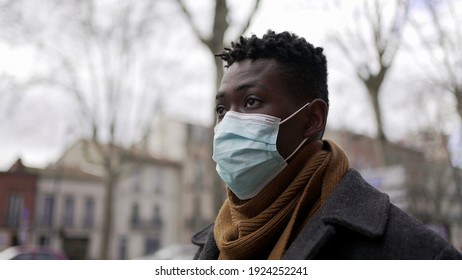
(289, 137)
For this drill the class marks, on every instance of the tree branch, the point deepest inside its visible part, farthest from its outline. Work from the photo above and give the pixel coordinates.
(190, 20)
(249, 19)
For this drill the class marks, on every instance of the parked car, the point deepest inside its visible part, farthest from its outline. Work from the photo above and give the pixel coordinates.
(173, 252)
(32, 253)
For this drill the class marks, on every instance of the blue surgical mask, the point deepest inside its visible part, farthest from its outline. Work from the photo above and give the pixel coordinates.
(244, 149)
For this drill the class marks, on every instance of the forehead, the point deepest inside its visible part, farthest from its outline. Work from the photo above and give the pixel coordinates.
(262, 72)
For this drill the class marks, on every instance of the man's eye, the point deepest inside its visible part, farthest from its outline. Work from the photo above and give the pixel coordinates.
(220, 110)
(251, 102)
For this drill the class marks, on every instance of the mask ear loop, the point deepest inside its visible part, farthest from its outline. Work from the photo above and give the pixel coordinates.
(296, 112)
(304, 140)
(296, 149)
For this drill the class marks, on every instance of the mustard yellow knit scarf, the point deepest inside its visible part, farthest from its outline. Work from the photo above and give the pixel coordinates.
(263, 227)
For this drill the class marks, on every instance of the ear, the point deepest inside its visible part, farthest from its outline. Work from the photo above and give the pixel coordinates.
(316, 119)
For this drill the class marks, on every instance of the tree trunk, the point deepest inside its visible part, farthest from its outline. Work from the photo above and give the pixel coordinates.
(110, 182)
(381, 137)
(458, 96)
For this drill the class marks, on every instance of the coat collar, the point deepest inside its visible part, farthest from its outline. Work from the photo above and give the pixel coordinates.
(206, 240)
(354, 205)
(357, 206)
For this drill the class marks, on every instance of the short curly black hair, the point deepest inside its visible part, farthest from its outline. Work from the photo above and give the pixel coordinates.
(303, 66)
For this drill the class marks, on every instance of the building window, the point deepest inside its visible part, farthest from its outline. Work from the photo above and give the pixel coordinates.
(157, 218)
(199, 171)
(68, 217)
(123, 248)
(151, 245)
(135, 216)
(47, 213)
(89, 212)
(15, 206)
(137, 180)
(158, 180)
(44, 240)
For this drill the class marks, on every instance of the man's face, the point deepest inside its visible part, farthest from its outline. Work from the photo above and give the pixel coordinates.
(257, 87)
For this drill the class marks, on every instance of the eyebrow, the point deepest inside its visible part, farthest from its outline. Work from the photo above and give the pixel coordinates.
(241, 87)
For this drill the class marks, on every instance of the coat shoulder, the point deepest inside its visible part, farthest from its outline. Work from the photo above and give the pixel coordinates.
(360, 222)
(408, 238)
(207, 249)
(200, 238)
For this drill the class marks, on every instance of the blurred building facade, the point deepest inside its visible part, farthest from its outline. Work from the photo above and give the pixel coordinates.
(17, 205)
(191, 145)
(146, 198)
(66, 211)
(69, 211)
(161, 197)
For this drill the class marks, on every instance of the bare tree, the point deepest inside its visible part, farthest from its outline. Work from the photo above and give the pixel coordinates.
(215, 42)
(369, 40)
(104, 58)
(440, 41)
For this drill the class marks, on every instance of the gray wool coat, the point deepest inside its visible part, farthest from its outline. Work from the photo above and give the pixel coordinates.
(356, 222)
